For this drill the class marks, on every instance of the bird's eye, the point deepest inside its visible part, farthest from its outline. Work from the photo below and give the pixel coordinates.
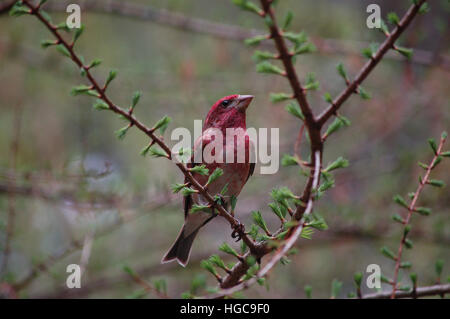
(225, 103)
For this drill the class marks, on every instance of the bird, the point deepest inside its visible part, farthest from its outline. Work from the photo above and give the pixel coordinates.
(227, 113)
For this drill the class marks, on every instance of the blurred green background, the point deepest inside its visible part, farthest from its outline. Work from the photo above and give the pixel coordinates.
(73, 180)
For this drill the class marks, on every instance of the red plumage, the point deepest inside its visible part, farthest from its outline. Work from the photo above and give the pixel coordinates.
(226, 113)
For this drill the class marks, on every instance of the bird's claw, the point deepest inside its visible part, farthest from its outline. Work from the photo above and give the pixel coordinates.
(237, 231)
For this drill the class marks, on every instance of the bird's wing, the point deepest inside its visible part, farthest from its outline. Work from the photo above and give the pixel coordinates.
(252, 159)
(199, 145)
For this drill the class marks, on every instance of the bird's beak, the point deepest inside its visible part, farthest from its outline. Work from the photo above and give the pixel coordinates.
(243, 101)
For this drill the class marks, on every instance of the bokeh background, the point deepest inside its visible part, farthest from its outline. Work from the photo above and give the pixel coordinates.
(80, 195)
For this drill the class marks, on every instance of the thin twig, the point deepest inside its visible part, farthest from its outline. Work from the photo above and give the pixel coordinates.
(420, 292)
(411, 210)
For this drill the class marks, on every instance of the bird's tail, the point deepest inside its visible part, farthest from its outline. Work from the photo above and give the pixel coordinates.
(181, 249)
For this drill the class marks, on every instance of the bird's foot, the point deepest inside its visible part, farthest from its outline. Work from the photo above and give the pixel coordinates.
(238, 229)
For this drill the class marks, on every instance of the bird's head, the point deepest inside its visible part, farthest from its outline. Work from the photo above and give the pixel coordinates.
(228, 112)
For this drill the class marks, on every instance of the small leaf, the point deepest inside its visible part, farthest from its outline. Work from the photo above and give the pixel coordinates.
(341, 71)
(81, 89)
(400, 200)
(289, 160)
(247, 6)
(358, 279)
(18, 10)
(425, 211)
(111, 76)
(215, 175)
(363, 93)
(327, 97)
(100, 105)
(95, 63)
(413, 277)
(177, 187)
(393, 18)
(255, 40)
(156, 152)
(120, 133)
(288, 20)
(205, 264)
(424, 8)
(397, 218)
(259, 56)
(162, 124)
(406, 52)
(228, 250)
(63, 50)
(336, 286)
(340, 162)
(439, 266)
(233, 202)
(217, 261)
(408, 243)
(279, 97)
(259, 220)
(186, 191)
(305, 48)
(200, 208)
(436, 183)
(405, 264)
(337, 124)
(267, 67)
(311, 82)
(277, 211)
(135, 99)
(201, 169)
(78, 33)
(295, 110)
(296, 38)
(46, 43)
(433, 145)
(308, 291)
(387, 252)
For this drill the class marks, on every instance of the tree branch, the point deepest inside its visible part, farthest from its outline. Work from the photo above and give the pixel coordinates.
(420, 292)
(411, 209)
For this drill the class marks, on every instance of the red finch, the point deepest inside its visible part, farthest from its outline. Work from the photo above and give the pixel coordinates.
(226, 116)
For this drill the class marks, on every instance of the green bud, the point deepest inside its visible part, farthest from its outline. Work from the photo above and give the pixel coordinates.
(162, 124)
(267, 67)
(425, 211)
(387, 252)
(295, 110)
(340, 162)
(399, 200)
(279, 97)
(215, 175)
(201, 169)
(228, 250)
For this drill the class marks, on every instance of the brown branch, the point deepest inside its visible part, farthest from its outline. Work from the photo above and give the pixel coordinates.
(419, 292)
(133, 121)
(370, 65)
(411, 210)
